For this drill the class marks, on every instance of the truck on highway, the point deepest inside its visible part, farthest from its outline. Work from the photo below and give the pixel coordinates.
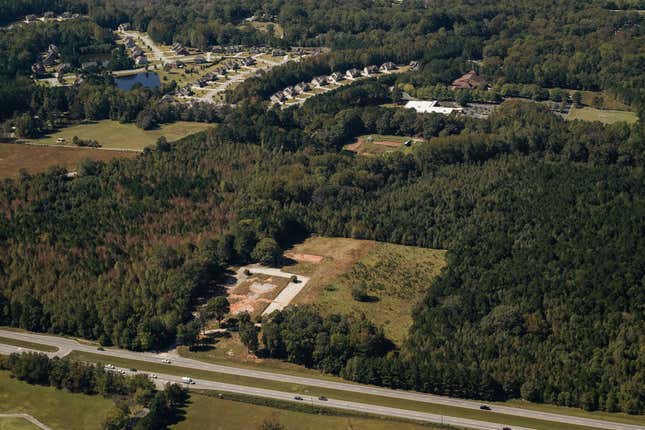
(187, 380)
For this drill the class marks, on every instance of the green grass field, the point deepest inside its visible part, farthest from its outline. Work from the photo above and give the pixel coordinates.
(604, 116)
(208, 413)
(16, 424)
(356, 397)
(395, 276)
(58, 409)
(278, 31)
(25, 344)
(114, 135)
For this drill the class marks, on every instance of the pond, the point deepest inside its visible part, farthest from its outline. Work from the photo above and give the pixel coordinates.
(147, 79)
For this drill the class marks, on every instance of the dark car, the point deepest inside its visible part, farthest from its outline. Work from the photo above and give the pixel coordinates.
(298, 398)
(484, 408)
(132, 369)
(322, 398)
(506, 428)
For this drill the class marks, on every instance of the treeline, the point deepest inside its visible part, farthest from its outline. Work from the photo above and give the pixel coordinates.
(78, 377)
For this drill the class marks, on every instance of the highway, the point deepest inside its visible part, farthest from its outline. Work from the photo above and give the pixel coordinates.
(68, 345)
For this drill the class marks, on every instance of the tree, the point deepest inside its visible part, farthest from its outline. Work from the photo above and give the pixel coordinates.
(271, 423)
(248, 332)
(218, 307)
(267, 252)
(188, 334)
(577, 98)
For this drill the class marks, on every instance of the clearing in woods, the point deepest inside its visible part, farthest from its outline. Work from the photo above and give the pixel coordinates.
(376, 144)
(395, 278)
(37, 159)
(604, 116)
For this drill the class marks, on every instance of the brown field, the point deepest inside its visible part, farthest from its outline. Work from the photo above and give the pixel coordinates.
(339, 255)
(254, 294)
(37, 159)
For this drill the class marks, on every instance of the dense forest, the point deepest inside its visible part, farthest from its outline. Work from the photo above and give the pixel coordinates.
(543, 294)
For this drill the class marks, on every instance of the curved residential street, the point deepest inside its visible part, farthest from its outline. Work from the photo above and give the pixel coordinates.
(65, 346)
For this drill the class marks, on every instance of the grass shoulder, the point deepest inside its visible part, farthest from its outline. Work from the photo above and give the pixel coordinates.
(28, 345)
(59, 409)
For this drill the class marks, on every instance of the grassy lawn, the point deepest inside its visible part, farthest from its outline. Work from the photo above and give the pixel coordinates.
(58, 409)
(344, 395)
(114, 135)
(604, 116)
(25, 344)
(208, 413)
(16, 424)
(37, 159)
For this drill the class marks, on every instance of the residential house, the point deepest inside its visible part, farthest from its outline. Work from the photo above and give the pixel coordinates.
(66, 15)
(319, 81)
(49, 59)
(369, 70)
(61, 69)
(216, 49)
(414, 65)
(49, 15)
(38, 69)
(289, 92)
(126, 26)
(278, 98)
(278, 53)
(469, 81)
(199, 60)
(302, 87)
(387, 67)
(248, 61)
(336, 77)
(352, 74)
(129, 43)
(89, 65)
(31, 18)
(141, 60)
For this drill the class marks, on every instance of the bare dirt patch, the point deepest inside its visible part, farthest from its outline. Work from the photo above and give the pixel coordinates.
(307, 258)
(254, 293)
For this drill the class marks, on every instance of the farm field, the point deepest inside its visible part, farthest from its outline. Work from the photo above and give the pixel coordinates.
(604, 116)
(58, 409)
(375, 144)
(383, 269)
(209, 413)
(16, 424)
(37, 159)
(114, 135)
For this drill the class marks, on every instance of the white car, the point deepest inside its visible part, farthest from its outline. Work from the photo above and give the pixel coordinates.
(165, 361)
(153, 376)
(187, 380)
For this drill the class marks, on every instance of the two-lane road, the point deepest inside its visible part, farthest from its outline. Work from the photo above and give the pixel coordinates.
(67, 345)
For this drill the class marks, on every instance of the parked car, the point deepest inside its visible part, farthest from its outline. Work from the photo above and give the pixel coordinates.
(484, 408)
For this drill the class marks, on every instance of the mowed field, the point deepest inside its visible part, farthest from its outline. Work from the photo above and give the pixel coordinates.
(37, 159)
(209, 413)
(375, 144)
(604, 116)
(16, 424)
(58, 409)
(114, 135)
(395, 276)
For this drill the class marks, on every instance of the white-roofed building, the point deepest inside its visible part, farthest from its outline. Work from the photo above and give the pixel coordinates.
(430, 106)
